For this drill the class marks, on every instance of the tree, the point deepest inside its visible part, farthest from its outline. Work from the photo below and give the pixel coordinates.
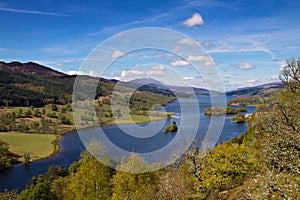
(226, 163)
(4, 160)
(9, 195)
(54, 108)
(279, 128)
(173, 186)
(171, 128)
(278, 133)
(26, 159)
(37, 113)
(290, 75)
(134, 185)
(91, 180)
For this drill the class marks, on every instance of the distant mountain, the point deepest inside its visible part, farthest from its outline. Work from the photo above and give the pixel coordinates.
(179, 90)
(29, 68)
(256, 90)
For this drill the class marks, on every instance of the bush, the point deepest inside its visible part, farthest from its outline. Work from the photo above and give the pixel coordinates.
(171, 128)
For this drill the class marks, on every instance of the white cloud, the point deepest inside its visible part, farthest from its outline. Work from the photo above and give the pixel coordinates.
(188, 78)
(196, 19)
(140, 73)
(187, 41)
(245, 65)
(158, 68)
(74, 72)
(117, 54)
(251, 81)
(206, 59)
(198, 58)
(179, 63)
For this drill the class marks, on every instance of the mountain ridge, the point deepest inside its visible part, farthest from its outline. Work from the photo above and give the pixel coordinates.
(31, 68)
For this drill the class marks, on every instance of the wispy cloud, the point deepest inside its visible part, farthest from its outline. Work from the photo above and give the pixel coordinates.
(70, 47)
(35, 12)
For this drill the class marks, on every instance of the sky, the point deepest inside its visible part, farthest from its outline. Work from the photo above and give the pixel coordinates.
(248, 41)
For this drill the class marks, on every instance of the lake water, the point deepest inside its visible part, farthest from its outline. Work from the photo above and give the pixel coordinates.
(71, 144)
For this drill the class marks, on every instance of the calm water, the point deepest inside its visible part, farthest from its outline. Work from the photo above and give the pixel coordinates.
(71, 145)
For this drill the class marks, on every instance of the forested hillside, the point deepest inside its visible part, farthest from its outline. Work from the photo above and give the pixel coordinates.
(21, 87)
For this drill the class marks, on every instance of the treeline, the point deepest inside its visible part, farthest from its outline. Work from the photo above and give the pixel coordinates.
(34, 120)
(223, 110)
(265, 97)
(6, 158)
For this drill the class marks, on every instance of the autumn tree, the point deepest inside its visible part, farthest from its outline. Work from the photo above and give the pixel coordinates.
(172, 185)
(128, 184)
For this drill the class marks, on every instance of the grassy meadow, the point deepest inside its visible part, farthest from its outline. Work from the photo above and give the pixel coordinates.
(37, 145)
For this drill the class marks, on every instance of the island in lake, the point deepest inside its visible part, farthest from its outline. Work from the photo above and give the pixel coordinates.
(224, 110)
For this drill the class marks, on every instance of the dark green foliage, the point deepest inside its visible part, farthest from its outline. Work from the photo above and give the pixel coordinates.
(6, 159)
(3, 128)
(54, 107)
(64, 119)
(40, 188)
(27, 90)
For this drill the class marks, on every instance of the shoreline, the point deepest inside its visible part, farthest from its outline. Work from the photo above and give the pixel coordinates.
(60, 135)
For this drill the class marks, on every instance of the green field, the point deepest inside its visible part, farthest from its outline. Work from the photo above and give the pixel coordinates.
(38, 145)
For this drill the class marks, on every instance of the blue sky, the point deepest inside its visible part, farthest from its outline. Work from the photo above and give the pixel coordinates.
(249, 40)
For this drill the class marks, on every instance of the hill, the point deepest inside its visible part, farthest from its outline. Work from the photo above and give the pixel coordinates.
(256, 89)
(262, 94)
(29, 68)
(31, 84)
